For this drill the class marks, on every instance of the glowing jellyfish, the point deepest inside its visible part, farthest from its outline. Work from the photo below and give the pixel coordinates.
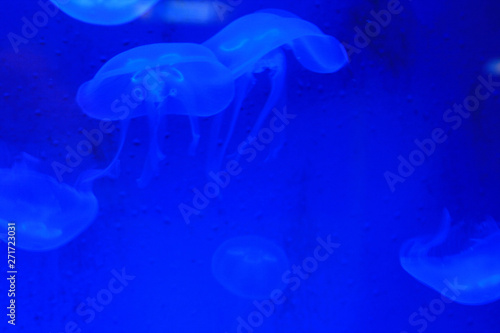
(493, 66)
(250, 266)
(254, 44)
(157, 80)
(468, 258)
(105, 12)
(47, 213)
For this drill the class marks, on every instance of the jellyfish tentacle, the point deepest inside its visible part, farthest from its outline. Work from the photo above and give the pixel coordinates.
(154, 154)
(243, 84)
(212, 162)
(195, 132)
(277, 83)
(86, 179)
(277, 146)
(443, 232)
(278, 62)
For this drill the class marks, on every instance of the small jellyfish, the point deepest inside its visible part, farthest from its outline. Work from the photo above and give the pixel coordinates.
(47, 214)
(493, 66)
(250, 266)
(467, 257)
(107, 12)
(157, 80)
(254, 44)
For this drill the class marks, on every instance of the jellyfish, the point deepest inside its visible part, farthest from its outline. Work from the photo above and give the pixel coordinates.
(493, 66)
(254, 44)
(46, 213)
(108, 12)
(250, 266)
(157, 80)
(461, 262)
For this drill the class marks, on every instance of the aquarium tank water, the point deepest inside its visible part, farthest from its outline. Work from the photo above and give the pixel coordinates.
(248, 166)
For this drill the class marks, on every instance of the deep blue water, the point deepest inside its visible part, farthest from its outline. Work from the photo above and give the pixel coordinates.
(368, 159)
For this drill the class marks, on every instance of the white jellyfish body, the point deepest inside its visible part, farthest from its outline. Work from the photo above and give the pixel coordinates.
(105, 12)
(250, 266)
(469, 257)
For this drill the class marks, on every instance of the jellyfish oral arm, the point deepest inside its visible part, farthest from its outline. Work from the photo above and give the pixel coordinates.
(278, 82)
(195, 131)
(154, 154)
(443, 230)
(243, 85)
(112, 170)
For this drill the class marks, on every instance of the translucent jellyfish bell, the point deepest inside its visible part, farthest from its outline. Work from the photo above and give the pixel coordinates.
(254, 43)
(157, 80)
(107, 12)
(250, 266)
(469, 257)
(47, 213)
(242, 43)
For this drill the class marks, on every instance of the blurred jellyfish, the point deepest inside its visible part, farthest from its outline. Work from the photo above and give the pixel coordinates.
(250, 266)
(254, 44)
(105, 12)
(181, 11)
(47, 214)
(469, 257)
(493, 66)
(156, 80)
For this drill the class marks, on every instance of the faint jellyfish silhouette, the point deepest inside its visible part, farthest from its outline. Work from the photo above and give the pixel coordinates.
(254, 44)
(107, 12)
(157, 80)
(250, 266)
(493, 66)
(47, 213)
(467, 256)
